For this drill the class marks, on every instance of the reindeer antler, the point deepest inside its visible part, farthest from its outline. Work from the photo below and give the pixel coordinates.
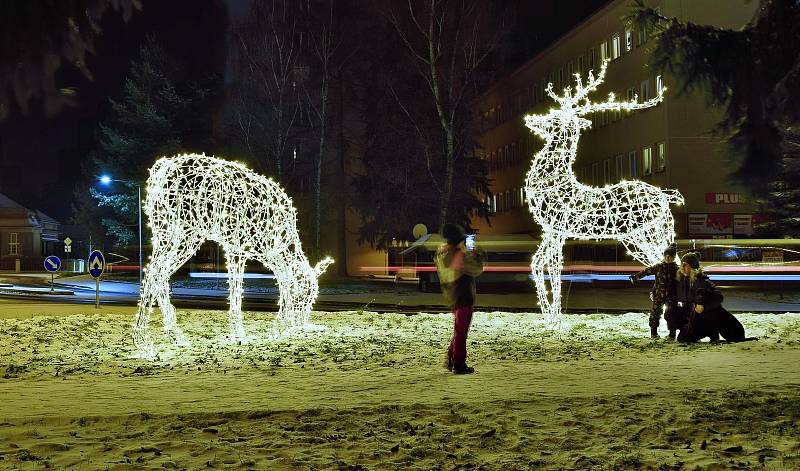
(582, 92)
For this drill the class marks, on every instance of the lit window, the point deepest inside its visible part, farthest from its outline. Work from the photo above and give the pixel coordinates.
(630, 94)
(581, 64)
(644, 90)
(662, 156)
(633, 170)
(616, 49)
(592, 58)
(13, 243)
(603, 51)
(647, 160)
(659, 83)
(619, 163)
(628, 40)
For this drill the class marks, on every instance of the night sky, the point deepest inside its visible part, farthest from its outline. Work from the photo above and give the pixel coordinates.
(41, 157)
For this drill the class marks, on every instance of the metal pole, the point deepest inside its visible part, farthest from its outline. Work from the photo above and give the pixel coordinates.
(97, 293)
(139, 186)
(51, 281)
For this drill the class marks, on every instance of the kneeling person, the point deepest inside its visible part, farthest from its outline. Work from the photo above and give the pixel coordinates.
(701, 302)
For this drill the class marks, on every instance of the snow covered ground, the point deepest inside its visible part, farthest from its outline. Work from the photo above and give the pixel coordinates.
(368, 391)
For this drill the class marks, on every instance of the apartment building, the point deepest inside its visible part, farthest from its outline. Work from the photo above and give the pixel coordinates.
(669, 145)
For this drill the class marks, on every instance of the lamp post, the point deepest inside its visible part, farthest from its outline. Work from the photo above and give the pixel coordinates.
(106, 180)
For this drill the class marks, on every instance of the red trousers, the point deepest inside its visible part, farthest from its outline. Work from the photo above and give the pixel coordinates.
(462, 318)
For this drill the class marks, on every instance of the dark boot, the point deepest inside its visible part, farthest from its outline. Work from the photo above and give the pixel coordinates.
(653, 332)
(463, 369)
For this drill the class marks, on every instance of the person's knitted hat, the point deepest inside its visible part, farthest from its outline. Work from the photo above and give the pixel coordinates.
(453, 233)
(671, 250)
(693, 259)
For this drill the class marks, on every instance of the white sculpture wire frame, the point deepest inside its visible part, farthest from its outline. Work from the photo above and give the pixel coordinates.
(193, 198)
(632, 212)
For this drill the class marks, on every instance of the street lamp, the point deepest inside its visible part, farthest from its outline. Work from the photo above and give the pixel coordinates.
(106, 180)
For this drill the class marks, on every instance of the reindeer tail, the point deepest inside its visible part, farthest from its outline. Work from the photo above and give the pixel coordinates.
(674, 196)
(322, 265)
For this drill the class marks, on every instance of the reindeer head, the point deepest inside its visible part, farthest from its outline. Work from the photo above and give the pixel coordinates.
(570, 116)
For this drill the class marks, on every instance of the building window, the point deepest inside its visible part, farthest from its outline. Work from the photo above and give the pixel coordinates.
(522, 197)
(662, 156)
(607, 171)
(628, 40)
(13, 243)
(630, 94)
(603, 51)
(644, 90)
(659, 84)
(633, 170)
(493, 204)
(616, 47)
(581, 64)
(560, 78)
(642, 36)
(592, 58)
(596, 173)
(570, 70)
(619, 164)
(647, 160)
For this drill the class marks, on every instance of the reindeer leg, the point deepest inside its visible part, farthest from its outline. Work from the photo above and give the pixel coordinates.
(554, 265)
(537, 270)
(173, 258)
(141, 334)
(236, 265)
(298, 287)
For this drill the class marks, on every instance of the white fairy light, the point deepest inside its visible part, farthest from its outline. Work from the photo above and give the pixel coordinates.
(632, 212)
(194, 198)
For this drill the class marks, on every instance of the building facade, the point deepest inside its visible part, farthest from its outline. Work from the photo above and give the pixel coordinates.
(670, 145)
(26, 236)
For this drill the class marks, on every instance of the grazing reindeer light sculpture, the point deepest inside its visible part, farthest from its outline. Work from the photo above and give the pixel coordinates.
(194, 198)
(632, 212)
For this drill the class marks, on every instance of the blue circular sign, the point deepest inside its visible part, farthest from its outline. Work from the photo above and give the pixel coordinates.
(97, 263)
(52, 263)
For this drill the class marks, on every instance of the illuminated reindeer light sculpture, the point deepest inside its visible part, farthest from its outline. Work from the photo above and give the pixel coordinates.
(194, 198)
(632, 212)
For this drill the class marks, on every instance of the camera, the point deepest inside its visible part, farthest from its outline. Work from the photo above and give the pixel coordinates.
(470, 242)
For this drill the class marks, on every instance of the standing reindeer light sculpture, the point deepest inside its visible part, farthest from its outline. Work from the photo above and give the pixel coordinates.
(632, 212)
(194, 198)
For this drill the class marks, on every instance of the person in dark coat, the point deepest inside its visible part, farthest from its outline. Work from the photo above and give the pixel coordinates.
(701, 302)
(457, 268)
(663, 292)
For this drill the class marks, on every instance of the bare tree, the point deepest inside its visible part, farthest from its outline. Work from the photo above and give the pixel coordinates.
(267, 98)
(327, 39)
(448, 41)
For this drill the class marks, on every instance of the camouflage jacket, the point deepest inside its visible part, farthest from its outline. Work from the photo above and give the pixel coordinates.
(664, 287)
(457, 270)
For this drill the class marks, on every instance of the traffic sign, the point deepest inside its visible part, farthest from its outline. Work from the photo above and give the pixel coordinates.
(67, 241)
(97, 263)
(52, 263)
